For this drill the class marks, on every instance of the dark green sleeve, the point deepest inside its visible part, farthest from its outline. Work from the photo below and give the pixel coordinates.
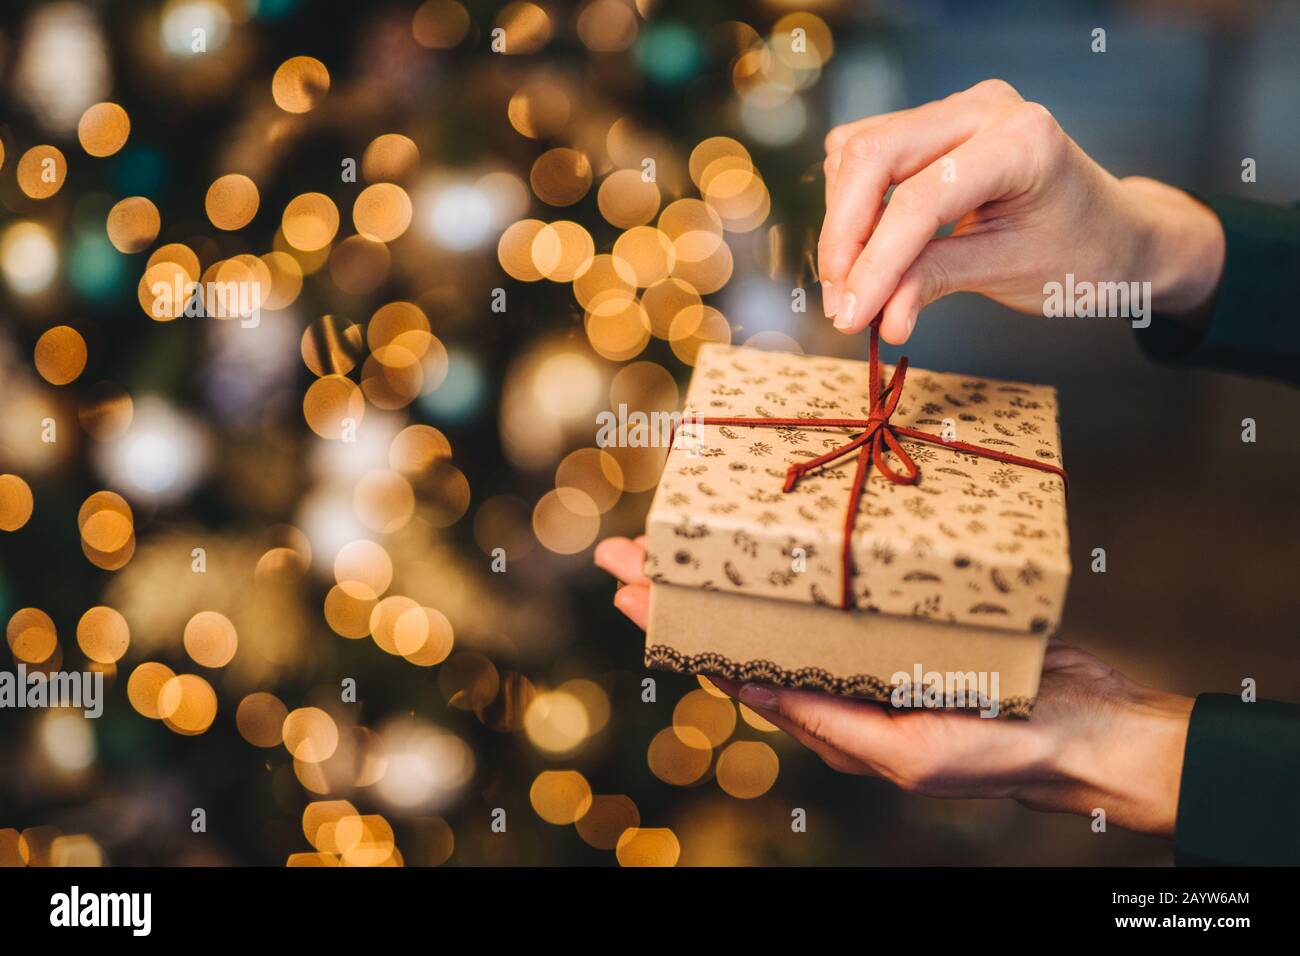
(1239, 801)
(1254, 326)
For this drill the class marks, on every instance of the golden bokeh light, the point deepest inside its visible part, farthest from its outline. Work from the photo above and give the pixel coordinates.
(693, 328)
(299, 84)
(566, 520)
(446, 495)
(165, 290)
(31, 635)
(103, 129)
(641, 466)
(680, 757)
(700, 714)
(648, 387)
(133, 224)
(144, 688)
(561, 176)
(747, 769)
(60, 355)
(210, 639)
(607, 26)
(310, 734)
(285, 275)
(649, 253)
(390, 157)
(16, 502)
(383, 500)
(556, 722)
(310, 221)
(333, 406)
(382, 212)
(418, 449)
(42, 171)
(515, 250)
(424, 636)
(383, 624)
(78, 850)
(562, 250)
(440, 24)
(363, 569)
(663, 301)
(539, 108)
(596, 473)
(187, 704)
(626, 198)
(616, 325)
(605, 273)
(526, 26)
(757, 720)
(180, 255)
(231, 201)
(103, 635)
(607, 819)
(260, 719)
(320, 820)
(106, 522)
(348, 615)
(366, 840)
(648, 846)
(560, 797)
(331, 346)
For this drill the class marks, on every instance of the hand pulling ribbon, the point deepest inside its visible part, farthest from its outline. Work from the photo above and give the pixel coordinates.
(877, 435)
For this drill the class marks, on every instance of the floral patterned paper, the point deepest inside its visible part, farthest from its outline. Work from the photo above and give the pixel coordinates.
(975, 541)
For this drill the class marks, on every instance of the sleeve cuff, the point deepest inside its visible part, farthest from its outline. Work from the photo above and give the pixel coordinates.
(1241, 776)
(1252, 327)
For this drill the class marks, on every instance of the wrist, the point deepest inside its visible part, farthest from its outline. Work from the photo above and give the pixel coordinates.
(1180, 249)
(1132, 768)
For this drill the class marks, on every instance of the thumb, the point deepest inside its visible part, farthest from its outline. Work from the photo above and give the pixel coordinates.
(945, 266)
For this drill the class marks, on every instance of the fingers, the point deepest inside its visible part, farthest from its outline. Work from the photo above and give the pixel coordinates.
(623, 558)
(944, 266)
(634, 601)
(831, 755)
(980, 170)
(837, 137)
(872, 155)
(858, 730)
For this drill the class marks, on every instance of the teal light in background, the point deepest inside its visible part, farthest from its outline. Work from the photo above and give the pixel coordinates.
(459, 396)
(95, 268)
(270, 9)
(669, 53)
(140, 171)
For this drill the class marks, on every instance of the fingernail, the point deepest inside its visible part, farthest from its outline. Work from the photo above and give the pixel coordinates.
(758, 697)
(830, 298)
(619, 597)
(911, 323)
(845, 319)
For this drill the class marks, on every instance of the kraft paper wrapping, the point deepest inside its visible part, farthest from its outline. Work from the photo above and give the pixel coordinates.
(975, 542)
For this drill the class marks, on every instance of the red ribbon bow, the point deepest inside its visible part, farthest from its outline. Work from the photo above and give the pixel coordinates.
(877, 435)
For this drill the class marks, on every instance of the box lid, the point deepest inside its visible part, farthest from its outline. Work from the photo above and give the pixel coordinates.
(975, 541)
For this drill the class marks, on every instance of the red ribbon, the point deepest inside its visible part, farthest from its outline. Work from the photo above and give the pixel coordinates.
(877, 435)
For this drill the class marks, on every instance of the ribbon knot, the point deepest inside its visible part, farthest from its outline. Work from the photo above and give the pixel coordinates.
(878, 435)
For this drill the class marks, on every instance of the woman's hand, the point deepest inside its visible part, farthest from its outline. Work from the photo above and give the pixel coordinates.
(1096, 740)
(1029, 206)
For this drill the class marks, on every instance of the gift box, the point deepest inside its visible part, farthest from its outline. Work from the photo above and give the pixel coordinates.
(893, 534)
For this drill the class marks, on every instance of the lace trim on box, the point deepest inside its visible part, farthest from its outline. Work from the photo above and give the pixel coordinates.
(857, 685)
